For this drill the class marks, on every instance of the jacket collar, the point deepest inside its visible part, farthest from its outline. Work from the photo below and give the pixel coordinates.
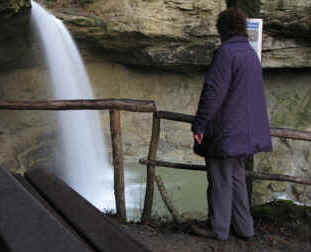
(236, 39)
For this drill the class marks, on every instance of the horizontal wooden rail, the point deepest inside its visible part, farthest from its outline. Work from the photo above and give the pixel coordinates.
(173, 116)
(276, 132)
(96, 104)
(253, 175)
(181, 166)
(291, 134)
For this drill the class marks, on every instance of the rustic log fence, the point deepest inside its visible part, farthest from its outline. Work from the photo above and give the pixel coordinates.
(115, 106)
(152, 163)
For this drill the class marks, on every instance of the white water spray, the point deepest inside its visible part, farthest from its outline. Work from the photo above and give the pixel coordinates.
(83, 160)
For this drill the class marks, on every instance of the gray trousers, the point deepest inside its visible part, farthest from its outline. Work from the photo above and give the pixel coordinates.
(228, 198)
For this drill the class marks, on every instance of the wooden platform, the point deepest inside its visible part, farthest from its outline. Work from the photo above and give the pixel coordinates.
(39, 212)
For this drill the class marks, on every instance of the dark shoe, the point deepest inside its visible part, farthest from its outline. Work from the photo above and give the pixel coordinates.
(245, 238)
(195, 229)
(242, 237)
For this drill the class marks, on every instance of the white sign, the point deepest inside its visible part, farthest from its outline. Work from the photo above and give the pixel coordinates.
(254, 30)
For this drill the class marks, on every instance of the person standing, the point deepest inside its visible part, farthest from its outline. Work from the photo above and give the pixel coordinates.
(232, 116)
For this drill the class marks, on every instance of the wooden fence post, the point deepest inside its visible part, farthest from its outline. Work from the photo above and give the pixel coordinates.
(167, 201)
(249, 166)
(155, 136)
(117, 153)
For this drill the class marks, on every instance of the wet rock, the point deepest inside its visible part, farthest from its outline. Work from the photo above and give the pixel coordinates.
(9, 8)
(15, 36)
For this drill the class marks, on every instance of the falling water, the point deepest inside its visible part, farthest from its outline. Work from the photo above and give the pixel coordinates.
(83, 160)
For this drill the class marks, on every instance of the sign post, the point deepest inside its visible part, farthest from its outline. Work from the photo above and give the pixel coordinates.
(254, 30)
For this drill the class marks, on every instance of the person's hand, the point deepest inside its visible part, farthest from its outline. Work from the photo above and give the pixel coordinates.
(198, 137)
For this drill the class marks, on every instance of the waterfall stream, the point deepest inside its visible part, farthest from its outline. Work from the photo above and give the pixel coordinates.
(82, 161)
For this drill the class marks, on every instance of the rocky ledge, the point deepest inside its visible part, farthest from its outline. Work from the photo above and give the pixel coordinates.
(179, 34)
(166, 34)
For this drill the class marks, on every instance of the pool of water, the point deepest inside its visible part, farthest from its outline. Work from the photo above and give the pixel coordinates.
(186, 189)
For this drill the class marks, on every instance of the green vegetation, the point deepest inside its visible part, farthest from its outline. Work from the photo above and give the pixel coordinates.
(283, 211)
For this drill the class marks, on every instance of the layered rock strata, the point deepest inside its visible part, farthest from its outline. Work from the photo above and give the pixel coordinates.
(175, 35)
(180, 34)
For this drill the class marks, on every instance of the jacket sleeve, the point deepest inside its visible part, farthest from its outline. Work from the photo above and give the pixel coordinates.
(216, 85)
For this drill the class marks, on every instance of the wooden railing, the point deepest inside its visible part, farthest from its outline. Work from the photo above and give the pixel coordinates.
(151, 162)
(99, 104)
(115, 106)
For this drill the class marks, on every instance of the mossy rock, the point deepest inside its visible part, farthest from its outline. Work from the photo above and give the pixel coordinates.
(12, 7)
(283, 211)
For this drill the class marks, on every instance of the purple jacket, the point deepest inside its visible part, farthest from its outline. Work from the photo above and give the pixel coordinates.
(232, 109)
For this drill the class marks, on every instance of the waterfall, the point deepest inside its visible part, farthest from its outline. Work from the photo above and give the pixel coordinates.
(81, 155)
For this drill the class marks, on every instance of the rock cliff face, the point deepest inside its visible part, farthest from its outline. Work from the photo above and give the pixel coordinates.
(10, 8)
(287, 26)
(289, 19)
(180, 34)
(167, 34)
(176, 35)
(15, 33)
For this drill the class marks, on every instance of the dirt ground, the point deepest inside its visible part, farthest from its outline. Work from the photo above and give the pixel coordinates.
(280, 226)
(269, 237)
